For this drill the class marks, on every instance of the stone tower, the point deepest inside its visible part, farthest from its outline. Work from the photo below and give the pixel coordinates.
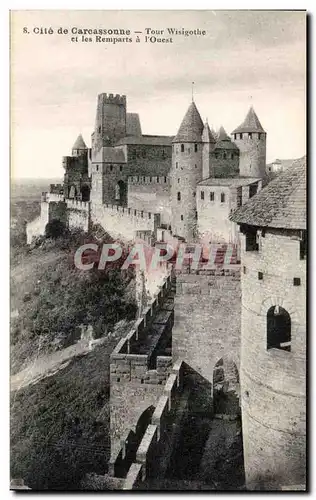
(186, 172)
(209, 143)
(250, 138)
(110, 123)
(273, 332)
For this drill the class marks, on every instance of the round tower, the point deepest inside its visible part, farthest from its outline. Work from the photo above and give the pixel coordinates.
(273, 333)
(250, 138)
(186, 172)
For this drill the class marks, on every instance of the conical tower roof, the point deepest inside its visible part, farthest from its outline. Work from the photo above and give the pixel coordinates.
(191, 127)
(207, 135)
(250, 124)
(222, 135)
(79, 143)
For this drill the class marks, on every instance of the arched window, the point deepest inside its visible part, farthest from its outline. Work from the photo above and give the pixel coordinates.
(182, 148)
(278, 329)
(179, 196)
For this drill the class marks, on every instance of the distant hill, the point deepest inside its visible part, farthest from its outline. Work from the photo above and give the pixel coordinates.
(30, 189)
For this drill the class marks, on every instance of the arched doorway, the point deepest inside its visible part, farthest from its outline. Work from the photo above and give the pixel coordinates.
(85, 193)
(121, 193)
(226, 387)
(278, 329)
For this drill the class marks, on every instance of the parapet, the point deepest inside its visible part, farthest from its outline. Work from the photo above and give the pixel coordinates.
(157, 430)
(112, 99)
(78, 204)
(135, 359)
(56, 188)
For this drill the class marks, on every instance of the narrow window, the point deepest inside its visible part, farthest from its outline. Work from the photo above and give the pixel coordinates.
(178, 181)
(150, 179)
(212, 195)
(97, 168)
(189, 150)
(176, 164)
(165, 179)
(158, 180)
(251, 240)
(244, 269)
(182, 148)
(181, 217)
(202, 195)
(111, 168)
(278, 329)
(149, 215)
(240, 135)
(260, 275)
(222, 197)
(194, 194)
(250, 135)
(121, 168)
(195, 148)
(179, 196)
(235, 136)
(259, 136)
(224, 155)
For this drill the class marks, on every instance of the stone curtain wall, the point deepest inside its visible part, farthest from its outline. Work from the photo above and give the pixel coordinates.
(122, 221)
(137, 378)
(150, 194)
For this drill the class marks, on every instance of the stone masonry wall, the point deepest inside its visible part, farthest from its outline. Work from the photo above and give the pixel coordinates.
(151, 194)
(207, 319)
(273, 381)
(137, 379)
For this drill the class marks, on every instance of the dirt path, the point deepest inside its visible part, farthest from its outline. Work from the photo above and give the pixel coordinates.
(47, 365)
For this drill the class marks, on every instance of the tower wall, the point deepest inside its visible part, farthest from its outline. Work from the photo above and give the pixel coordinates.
(272, 380)
(207, 319)
(186, 172)
(252, 158)
(110, 124)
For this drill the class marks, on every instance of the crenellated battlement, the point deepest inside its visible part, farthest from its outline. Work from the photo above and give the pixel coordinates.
(78, 205)
(105, 98)
(138, 355)
(142, 179)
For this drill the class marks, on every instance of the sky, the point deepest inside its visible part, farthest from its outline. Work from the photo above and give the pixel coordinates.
(245, 58)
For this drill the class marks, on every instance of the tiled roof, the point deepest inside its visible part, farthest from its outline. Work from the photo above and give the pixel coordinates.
(281, 204)
(224, 141)
(222, 135)
(79, 143)
(250, 124)
(191, 127)
(149, 140)
(229, 181)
